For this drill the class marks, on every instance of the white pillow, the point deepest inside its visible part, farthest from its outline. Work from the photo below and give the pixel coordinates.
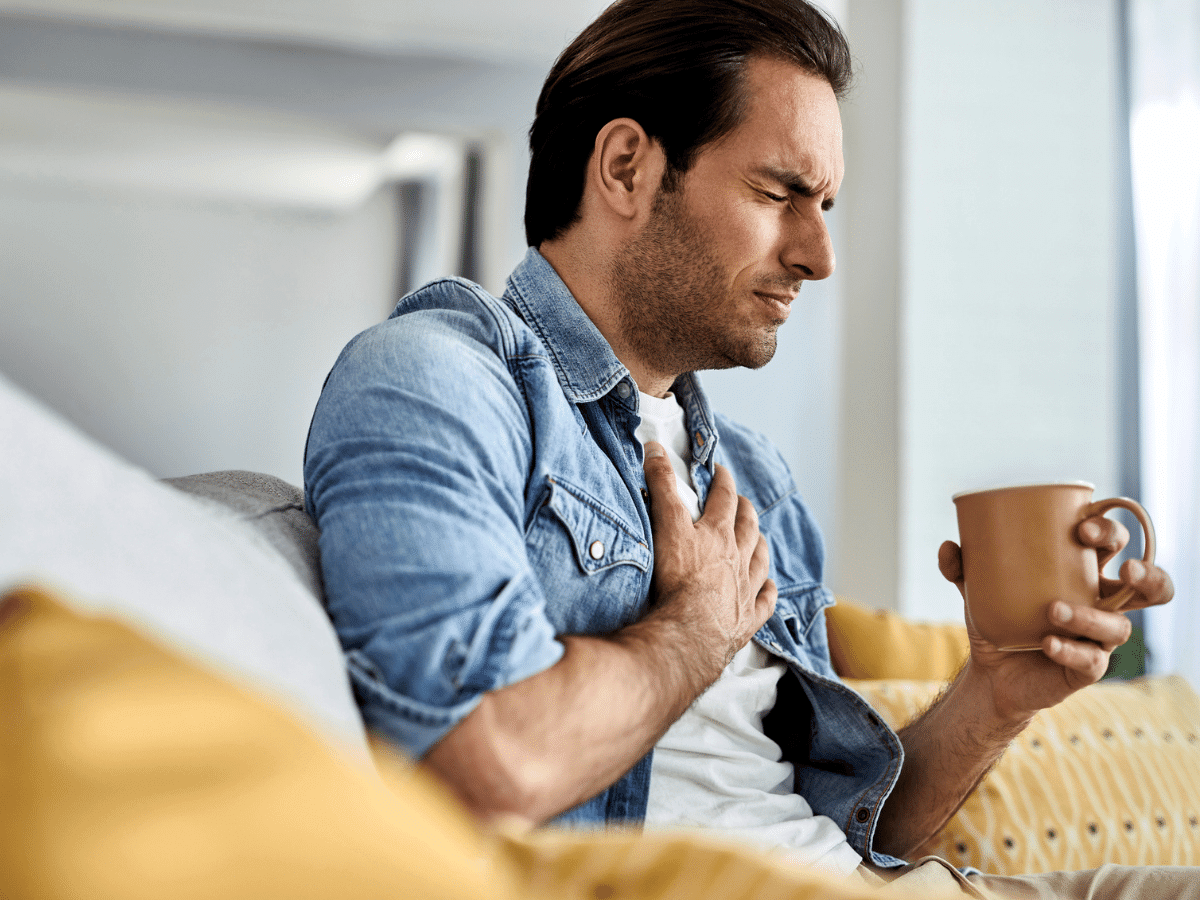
(75, 517)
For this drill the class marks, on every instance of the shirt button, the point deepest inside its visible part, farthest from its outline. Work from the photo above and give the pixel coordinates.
(699, 439)
(863, 814)
(623, 391)
(596, 551)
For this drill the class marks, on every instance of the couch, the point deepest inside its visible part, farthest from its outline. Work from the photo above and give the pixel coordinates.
(178, 722)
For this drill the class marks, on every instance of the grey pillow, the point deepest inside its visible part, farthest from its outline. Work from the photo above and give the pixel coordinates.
(274, 508)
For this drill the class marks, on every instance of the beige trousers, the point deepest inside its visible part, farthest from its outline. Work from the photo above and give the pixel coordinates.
(933, 875)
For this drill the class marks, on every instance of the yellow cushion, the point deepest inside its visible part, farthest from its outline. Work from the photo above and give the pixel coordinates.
(869, 644)
(1111, 775)
(126, 772)
(129, 773)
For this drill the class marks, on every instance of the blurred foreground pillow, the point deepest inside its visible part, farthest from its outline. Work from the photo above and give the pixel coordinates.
(128, 773)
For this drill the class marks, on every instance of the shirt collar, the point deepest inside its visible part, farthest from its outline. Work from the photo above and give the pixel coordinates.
(585, 364)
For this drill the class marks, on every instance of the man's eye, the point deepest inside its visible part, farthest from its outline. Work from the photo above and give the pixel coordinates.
(775, 197)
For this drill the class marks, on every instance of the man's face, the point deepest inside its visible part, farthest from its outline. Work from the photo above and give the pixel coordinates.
(711, 277)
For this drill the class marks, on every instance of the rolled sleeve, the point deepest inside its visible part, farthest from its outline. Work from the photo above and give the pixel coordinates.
(415, 472)
(521, 643)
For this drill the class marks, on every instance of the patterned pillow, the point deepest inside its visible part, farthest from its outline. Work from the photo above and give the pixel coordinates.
(1111, 775)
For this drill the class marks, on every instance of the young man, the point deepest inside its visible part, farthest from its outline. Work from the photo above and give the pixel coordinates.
(510, 489)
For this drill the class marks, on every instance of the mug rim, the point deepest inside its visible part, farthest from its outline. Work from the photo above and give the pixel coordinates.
(1016, 487)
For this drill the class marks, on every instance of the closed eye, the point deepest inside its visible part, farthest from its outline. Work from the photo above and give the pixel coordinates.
(776, 197)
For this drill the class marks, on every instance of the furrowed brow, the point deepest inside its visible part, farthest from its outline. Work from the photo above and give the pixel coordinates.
(794, 182)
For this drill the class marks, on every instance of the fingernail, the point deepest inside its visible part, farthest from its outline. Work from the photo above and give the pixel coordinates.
(1136, 570)
(1062, 613)
(654, 450)
(1091, 531)
(1055, 645)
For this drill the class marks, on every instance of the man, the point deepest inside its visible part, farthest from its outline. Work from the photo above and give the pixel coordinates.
(562, 637)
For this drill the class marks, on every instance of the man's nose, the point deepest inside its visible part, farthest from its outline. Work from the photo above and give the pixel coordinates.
(809, 251)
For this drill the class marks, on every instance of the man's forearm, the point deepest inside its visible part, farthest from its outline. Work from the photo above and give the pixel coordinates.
(540, 746)
(947, 751)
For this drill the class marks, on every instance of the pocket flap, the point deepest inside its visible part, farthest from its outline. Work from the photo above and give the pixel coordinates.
(600, 538)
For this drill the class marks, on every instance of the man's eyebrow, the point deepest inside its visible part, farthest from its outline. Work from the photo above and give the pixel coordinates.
(794, 182)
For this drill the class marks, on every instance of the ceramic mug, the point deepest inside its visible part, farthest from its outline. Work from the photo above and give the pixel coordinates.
(1020, 553)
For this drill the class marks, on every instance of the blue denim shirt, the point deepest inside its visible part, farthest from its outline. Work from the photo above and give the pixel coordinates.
(473, 468)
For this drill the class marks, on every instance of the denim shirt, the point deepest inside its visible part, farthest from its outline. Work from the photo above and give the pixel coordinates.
(473, 468)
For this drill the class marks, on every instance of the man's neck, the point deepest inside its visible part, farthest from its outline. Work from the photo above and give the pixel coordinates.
(587, 278)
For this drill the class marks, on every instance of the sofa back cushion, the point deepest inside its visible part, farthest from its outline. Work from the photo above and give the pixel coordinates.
(874, 643)
(273, 508)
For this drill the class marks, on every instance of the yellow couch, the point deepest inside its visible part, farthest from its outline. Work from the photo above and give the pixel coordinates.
(129, 771)
(1110, 775)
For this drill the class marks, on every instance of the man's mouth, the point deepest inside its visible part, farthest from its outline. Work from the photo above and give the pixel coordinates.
(778, 301)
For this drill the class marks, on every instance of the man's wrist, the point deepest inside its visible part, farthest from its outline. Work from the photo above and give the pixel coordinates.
(975, 688)
(676, 648)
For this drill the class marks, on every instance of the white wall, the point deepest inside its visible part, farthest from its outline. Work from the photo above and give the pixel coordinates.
(1002, 354)
(187, 336)
(866, 543)
(530, 31)
(191, 331)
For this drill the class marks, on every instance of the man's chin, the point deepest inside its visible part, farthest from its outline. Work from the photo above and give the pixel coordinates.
(753, 357)
(761, 352)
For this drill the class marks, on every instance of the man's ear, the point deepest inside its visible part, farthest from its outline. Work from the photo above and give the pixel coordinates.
(626, 168)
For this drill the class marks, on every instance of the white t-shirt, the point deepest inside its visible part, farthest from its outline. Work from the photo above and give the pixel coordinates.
(715, 768)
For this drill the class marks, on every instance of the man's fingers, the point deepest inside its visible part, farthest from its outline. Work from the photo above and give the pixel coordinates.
(764, 603)
(950, 563)
(1152, 584)
(660, 481)
(1085, 662)
(722, 497)
(1108, 536)
(745, 527)
(760, 560)
(1109, 630)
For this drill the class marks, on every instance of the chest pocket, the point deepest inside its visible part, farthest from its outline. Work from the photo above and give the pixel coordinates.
(599, 538)
(595, 569)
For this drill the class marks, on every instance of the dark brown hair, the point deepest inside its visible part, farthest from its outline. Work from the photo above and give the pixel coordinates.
(675, 67)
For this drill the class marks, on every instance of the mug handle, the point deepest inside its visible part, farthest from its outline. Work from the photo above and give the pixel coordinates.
(1123, 596)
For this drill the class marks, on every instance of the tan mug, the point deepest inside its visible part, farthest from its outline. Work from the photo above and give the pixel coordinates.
(1020, 553)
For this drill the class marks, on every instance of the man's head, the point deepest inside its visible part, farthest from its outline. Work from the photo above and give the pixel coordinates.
(677, 67)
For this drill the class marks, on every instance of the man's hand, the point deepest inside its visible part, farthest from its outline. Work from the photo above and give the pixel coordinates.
(951, 746)
(711, 576)
(1023, 683)
(548, 742)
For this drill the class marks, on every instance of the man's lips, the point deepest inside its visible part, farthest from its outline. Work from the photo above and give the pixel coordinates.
(779, 301)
